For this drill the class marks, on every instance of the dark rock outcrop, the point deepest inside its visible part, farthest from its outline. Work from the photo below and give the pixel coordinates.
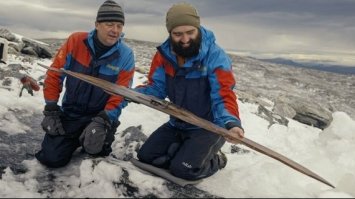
(25, 45)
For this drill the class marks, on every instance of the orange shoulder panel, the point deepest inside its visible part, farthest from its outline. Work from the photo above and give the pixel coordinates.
(80, 51)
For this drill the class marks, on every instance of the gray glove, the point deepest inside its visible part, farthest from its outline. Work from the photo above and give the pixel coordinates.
(51, 123)
(98, 136)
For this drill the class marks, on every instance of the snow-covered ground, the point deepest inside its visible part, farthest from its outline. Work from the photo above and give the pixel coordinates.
(329, 153)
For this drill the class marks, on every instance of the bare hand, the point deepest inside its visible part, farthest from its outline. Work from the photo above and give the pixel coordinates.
(236, 134)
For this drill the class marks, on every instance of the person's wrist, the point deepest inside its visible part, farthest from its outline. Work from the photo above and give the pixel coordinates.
(104, 116)
(232, 124)
(51, 107)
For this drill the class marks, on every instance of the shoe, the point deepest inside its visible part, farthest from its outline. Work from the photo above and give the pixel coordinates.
(222, 159)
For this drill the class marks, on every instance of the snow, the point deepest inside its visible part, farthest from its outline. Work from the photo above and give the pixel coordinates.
(20, 37)
(329, 153)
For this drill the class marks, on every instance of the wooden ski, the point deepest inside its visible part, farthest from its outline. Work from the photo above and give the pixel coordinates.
(173, 110)
(163, 173)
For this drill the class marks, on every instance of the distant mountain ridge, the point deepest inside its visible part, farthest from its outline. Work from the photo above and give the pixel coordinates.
(313, 65)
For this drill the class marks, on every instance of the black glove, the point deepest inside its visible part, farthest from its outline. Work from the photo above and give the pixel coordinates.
(51, 123)
(98, 136)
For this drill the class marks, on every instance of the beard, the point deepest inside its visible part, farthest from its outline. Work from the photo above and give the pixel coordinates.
(187, 52)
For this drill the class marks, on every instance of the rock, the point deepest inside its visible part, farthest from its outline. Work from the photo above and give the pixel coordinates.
(17, 46)
(271, 117)
(29, 51)
(283, 109)
(130, 140)
(248, 97)
(45, 53)
(313, 117)
(311, 113)
(7, 82)
(4, 33)
(12, 50)
(238, 150)
(26, 46)
(28, 59)
(303, 110)
(135, 134)
(41, 50)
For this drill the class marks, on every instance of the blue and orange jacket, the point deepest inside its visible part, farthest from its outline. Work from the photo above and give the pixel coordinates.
(83, 99)
(203, 85)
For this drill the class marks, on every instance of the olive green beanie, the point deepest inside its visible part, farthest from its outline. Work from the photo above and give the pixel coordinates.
(182, 14)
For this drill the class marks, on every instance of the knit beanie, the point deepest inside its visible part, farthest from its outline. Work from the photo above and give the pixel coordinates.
(110, 11)
(182, 14)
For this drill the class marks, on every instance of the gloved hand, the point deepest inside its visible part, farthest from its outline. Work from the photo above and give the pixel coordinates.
(51, 123)
(98, 136)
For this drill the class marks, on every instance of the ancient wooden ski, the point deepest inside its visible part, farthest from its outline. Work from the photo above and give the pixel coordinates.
(163, 173)
(173, 110)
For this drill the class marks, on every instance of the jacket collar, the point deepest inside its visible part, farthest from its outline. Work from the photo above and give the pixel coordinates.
(116, 47)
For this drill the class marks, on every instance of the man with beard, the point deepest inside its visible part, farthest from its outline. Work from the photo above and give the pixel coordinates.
(88, 116)
(195, 73)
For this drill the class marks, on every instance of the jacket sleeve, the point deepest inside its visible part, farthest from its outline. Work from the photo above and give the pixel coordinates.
(116, 103)
(224, 100)
(53, 82)
(156, 79)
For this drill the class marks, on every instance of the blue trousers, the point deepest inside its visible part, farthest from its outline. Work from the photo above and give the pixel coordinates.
(188, 154)
(57, 150)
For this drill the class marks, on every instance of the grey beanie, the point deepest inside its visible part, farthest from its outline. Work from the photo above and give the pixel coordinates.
(182, 14)
(110, 11)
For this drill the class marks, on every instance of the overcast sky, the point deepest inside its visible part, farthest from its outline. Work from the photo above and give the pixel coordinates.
(268, 26)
